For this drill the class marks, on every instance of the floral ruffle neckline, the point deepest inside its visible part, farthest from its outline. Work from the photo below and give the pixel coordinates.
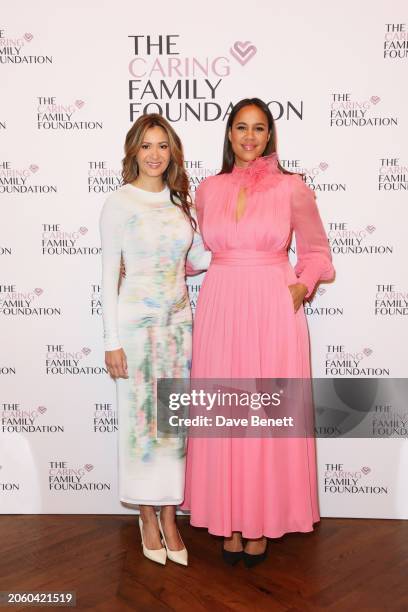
(260, 174)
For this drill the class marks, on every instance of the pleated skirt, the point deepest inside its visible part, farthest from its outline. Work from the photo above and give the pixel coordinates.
(245, 327)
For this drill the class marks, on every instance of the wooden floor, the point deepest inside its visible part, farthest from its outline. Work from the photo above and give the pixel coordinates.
(345, 564)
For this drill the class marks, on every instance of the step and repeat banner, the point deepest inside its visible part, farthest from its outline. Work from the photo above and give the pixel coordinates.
(74, 78)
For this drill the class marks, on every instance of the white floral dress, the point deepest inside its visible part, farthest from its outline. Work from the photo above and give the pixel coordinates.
(151, 320)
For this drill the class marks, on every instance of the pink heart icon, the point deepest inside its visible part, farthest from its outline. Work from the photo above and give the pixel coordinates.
(38, 291)
(366, 470)
(321, 290)
(375, 99)
(370, 229)
(243, 51)
(83, 230)
(367, 352)
(42, 409)
(323, 166)
(34, 168)
(89, 467)
(86, 350)
(28, 36)
(79, 103)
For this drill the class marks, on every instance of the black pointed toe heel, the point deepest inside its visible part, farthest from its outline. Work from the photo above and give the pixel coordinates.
(232, 558)
(253, 560)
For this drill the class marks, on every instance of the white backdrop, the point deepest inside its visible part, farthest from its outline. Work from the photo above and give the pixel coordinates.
(73, 78)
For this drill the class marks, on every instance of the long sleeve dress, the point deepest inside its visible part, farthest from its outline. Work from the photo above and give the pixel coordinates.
(151, 320)
(246, 327)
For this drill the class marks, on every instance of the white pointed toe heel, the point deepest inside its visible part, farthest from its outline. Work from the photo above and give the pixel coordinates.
(158, 555)
(178, 556)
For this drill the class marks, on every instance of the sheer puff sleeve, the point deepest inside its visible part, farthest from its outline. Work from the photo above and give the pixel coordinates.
(198, 258)
(314, 261)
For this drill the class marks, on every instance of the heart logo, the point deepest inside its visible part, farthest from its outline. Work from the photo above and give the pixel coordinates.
(323, 166)
(370, 228)
(375, 99)
(83, 230)
(79, 103)
(86, 350)
(89, 467)
(367, 352)
(243, 51)
(38, 291)
(28, 36)
(321, 290)
(42, 409)
(366, 470)
(34, 168)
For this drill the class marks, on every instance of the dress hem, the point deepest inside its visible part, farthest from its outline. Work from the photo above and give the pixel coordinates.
(149, 502)
(256, 536)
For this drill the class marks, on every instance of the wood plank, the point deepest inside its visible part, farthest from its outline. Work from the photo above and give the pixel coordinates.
(345, 564)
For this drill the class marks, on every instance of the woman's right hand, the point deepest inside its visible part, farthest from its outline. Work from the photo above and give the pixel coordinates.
(116, 363)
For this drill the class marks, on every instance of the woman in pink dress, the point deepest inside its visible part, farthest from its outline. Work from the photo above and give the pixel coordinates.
(250, 323)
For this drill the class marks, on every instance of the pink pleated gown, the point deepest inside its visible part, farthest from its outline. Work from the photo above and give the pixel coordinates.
(246, 327)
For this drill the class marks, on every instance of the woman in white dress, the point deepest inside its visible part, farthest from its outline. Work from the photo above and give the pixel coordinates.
(149, 222)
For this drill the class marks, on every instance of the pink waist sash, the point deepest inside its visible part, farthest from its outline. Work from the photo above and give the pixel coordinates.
(242, 257)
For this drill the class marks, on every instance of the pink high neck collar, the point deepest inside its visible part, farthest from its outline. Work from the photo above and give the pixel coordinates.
(260, 174)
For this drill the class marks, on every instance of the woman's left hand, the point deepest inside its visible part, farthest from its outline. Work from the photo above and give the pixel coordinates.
(298, 292)
(122, 268)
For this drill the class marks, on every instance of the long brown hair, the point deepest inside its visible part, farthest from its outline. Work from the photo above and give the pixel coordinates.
(228, 157)
(175, 175)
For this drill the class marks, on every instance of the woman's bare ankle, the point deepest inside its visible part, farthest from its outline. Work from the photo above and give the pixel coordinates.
(256, 546)
(234, 542)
